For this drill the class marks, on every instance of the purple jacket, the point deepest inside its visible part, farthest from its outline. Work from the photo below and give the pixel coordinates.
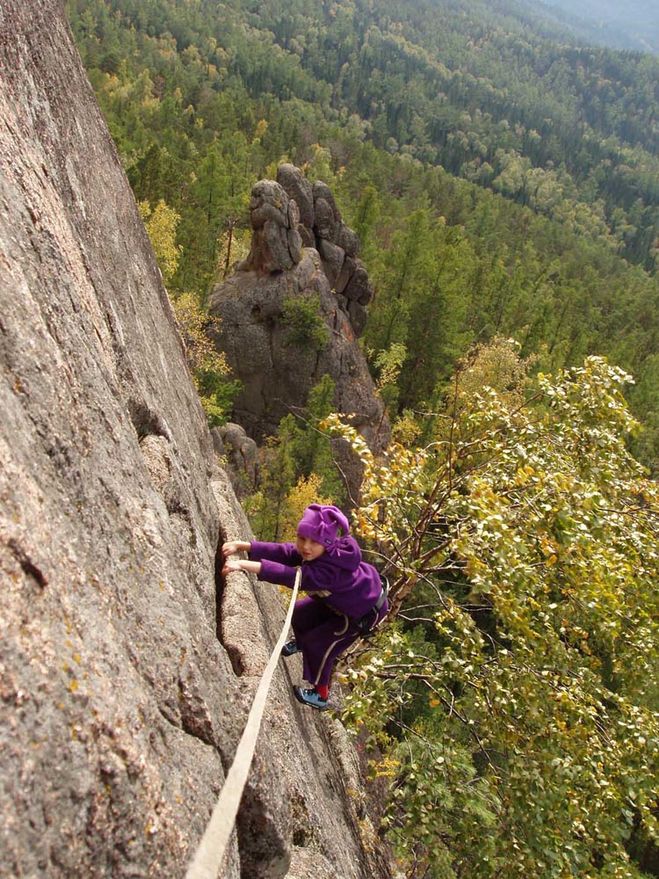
(354, 585)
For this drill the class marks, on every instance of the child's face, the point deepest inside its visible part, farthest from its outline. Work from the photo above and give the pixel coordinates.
(309, 549)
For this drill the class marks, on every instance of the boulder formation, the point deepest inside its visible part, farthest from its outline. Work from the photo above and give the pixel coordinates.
(127, 663)
(302, 262)
(276, 242)
(290, 214)
(240, 453)
(321, 226)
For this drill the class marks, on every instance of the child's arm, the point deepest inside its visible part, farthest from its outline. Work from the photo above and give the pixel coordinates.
(271, 572)
(231, 565)
(273, 562)
(282, 553)
(276, 572)
(231, 547)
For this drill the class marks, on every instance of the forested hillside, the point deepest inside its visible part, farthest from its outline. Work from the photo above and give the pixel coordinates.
(633, 25)
(472, 87)
(389, 104)
(503, 182)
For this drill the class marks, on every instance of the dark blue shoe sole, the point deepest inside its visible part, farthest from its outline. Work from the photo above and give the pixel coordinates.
(319, 704)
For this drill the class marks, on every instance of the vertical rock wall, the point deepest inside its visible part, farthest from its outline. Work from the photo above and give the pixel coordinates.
(126, 665)
(112, 677)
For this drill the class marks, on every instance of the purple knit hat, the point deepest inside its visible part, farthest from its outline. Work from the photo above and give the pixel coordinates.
(321, 523)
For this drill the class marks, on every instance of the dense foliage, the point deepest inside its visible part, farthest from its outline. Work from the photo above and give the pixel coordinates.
(208, 366)
(515, 700)
(204, 98)
(296, 469)
(470, 86)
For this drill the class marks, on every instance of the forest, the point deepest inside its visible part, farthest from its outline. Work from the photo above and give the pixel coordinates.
(503, 180)
(605, 22)
(542, 230)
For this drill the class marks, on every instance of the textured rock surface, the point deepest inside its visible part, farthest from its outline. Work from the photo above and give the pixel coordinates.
(277, 373)
(321, 226)
(298, 188)
(276, 242)
(126, 665)
(240, 453)
(276, 370)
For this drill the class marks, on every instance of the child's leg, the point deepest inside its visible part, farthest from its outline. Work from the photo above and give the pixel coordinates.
(321, 648)
(308, 614)
(310, 617)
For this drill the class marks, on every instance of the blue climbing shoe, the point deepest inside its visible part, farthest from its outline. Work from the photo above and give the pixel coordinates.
(310, 697)
(289, 648)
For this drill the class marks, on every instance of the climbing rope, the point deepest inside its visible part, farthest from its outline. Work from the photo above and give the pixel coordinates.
(211, 850)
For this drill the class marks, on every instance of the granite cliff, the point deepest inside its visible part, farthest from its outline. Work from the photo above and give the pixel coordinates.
(293, 310)
(127, 664)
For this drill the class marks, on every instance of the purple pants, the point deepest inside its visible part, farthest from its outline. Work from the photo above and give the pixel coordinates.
(322, 635)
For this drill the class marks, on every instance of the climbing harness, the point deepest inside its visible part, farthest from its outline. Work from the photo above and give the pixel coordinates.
(368, 624)
(211, 850)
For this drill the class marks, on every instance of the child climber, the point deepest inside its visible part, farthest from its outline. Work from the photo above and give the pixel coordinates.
(346, 599)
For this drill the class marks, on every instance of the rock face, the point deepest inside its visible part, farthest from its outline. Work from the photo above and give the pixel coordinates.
(276, 363)
(321, 226)
(276, 242)
(127, 664)
(240, 452)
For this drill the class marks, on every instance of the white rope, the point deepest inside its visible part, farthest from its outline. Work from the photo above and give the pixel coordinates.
(210, 852)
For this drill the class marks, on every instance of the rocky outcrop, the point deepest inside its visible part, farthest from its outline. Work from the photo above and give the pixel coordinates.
(239, 453)
(290, 214)
(127, 664)
(321, 226)
(276, 242)
(284, 325)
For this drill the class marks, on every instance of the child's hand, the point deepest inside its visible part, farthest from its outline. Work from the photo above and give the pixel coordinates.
(231, 565)
(231, 547)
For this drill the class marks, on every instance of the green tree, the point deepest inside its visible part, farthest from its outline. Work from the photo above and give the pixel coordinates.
(514, 697)
(298, 459)
(305, 326)
(161, 224)
(210, 371)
